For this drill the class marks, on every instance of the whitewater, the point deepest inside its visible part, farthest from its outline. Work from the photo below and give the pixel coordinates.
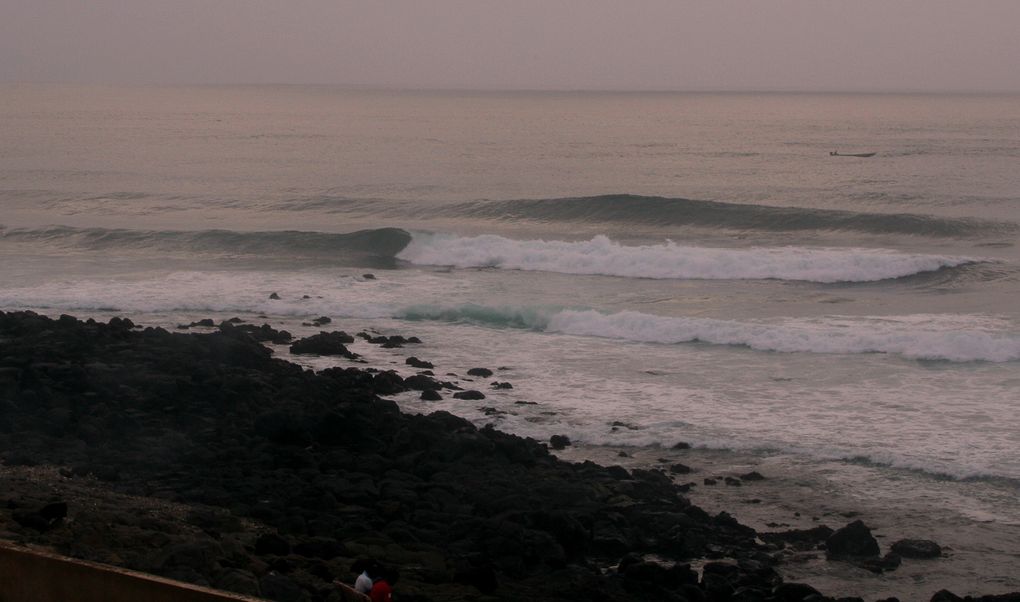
(643, 271)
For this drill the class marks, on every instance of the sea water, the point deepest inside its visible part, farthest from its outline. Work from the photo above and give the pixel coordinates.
(643, 268)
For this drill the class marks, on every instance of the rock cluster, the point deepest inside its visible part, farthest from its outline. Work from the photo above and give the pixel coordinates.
(201, 457)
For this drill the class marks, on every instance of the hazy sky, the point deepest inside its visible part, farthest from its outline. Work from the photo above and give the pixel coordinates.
(559, 44)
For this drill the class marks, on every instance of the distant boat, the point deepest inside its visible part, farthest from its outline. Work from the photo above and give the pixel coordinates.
(838, 154)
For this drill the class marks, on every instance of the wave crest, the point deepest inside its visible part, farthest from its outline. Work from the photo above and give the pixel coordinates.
(602, 256)
(921, 337)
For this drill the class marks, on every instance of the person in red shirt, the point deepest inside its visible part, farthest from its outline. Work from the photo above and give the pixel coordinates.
(381, 591)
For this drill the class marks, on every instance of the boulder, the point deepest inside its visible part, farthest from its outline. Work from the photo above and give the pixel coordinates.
(853, 540)
(917, 548)
(559, 441)
(417, 363)
(324, 343)
(470, 395)
(482, 372)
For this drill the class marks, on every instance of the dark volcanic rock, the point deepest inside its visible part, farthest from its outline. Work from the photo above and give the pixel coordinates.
(263, 334)
(559, 441)
(431, 395)
(325, 343)
(417, 363)
(245, 471)
(483, 372)
(470, 394)
(917, 548)
(853, 540)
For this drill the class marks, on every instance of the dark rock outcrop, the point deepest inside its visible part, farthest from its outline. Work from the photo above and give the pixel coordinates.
(325, 343)
(853, 540)
(559, 441)
(417, 363)
(228, 467)
(917, 548)
(470, 395)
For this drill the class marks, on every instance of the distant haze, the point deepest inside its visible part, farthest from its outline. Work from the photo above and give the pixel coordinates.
(922, 45)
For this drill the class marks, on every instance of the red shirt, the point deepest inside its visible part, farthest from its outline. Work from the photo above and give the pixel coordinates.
(381, 592)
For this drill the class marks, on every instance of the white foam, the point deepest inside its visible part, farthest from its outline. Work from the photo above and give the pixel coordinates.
(602, 256)
(918, 337)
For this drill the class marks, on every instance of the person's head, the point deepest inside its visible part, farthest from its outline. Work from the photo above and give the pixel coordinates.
(377, 572)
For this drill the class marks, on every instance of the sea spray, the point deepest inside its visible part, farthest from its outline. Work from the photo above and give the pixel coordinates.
(602, 256)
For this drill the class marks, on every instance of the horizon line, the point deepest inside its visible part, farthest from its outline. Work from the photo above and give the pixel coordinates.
(533, 89)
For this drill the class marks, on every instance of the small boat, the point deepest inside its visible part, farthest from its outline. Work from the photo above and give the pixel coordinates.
(838, 154)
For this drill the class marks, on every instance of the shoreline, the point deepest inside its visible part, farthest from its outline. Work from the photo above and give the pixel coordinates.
(804, 495)
(255, 428)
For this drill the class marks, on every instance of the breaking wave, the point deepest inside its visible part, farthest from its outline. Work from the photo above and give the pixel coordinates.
(602, 256)
(921, 337)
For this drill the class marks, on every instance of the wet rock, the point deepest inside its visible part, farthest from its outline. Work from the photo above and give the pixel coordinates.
(368, 276)
(417, 363)
(421, 382)
(501, 385)
(853, 540)
(681, 445)
(559, 441)
(482, 372)
(324, 343)
(431, 395)
(917, 548)
(889, 562)
(324, 320)
(752, 476)
(679, 468)
(262, 334)
(274, 296)
(470, 394)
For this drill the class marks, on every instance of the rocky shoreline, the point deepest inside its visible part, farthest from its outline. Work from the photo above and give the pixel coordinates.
(203, 458)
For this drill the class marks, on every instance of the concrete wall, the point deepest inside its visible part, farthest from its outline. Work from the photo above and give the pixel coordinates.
(28, 575)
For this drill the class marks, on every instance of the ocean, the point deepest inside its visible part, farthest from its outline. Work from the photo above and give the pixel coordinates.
(643, 268)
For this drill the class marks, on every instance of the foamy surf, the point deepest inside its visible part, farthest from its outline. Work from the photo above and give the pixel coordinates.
(602, 256)
(921, 337)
